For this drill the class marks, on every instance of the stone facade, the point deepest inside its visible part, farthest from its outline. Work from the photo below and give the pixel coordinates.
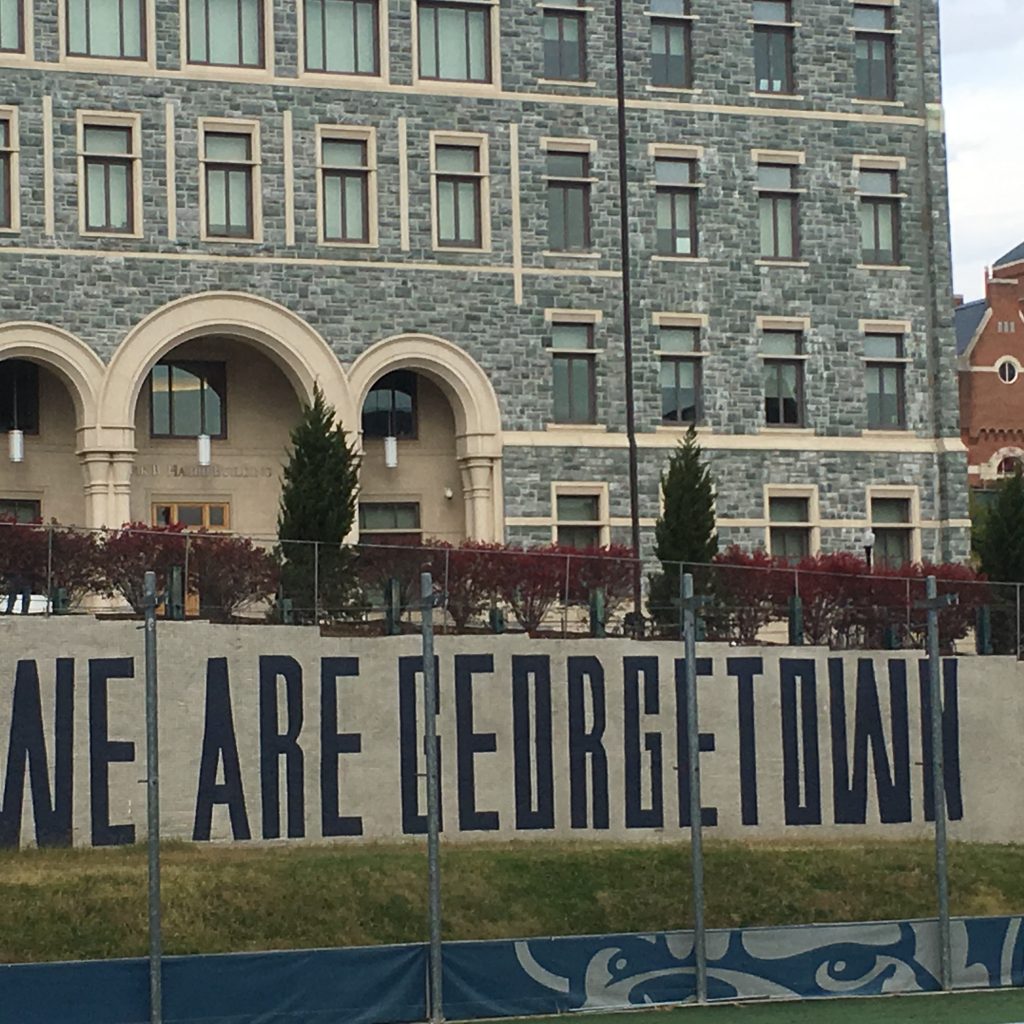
(491, 304)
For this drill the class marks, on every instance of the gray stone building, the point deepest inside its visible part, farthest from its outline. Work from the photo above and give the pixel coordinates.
(208, 206)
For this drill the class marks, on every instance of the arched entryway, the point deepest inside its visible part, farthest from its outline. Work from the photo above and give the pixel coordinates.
(444, 415)
(49, 381)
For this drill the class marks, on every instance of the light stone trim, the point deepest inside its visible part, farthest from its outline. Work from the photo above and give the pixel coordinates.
(235, 126)
(355, 133)
(403, 183)
(171, 170)
(674, 150)
(778, 156)
(812, 523)
(113, 119)
(342, 79)
(288, 166)
(588, 489)
(573, 316)
(913, 526)
(228, 72)
(515, 184)
(491, 88)
(783, 323)
(884, 326)
(105, 65)
(669, 319)
(10, 115)
(876, 162)
(481, 141)
(49, 220)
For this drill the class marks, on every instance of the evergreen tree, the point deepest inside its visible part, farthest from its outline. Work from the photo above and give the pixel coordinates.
(318, 504)
(998, 539)
(685, 531)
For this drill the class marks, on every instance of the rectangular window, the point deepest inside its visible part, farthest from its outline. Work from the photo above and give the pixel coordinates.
(676, 196)
(19, 396)
(345, 187)
(568, 201)
(229, 171)
(883, 380)
(383, 521)
(671, 48)
(879, 217)
(789, 527)
(342, 36)
(783, 379)
(187, 398)
(578, 522)
(21, 510)
(680, 375)
(565, 44)
(194, 515)
(873, 40)
(773, 46)
(458, 184)
(572, 352)
(892, 525)
(8, 182)
(454, 42)
(777, 200)
(108, 178)
(106, 28)
(12, 26)
(228, 33)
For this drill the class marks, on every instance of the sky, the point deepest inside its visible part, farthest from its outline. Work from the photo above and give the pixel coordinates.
(983, 83)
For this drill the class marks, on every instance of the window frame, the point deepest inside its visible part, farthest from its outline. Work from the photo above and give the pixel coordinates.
(492, 64)
(481, 177)
(574, 358)
(24, 48)
(146, 40)
(912, 528)
(582, 489)
(380, 61)
(132, 123)
(767, 30)
(887, 38)
(664, 22)
(879, 364)
(696, 324)
(36, 403)
(563, 13)
(206, 506)
(348, 133)
(795, 360)
(566, 184)
(221, 126)
(811, 525)
(10, 156)
(265, 28)
(37, 508)
(415, 401)
(221, 365)
(876, 201)
(776, 196)
(395, 531)
(687, 192)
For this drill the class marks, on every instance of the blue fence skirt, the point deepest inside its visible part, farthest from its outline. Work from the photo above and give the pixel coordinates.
(508, 978)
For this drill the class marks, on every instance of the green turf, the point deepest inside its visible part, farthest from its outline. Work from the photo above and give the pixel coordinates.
(962, 1008)
(85, 904)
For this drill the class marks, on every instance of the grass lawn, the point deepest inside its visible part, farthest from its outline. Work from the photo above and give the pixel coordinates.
(962, 1008)
(85, 904)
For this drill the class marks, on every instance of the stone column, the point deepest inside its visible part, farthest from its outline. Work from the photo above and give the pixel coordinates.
(478, 492)
(96, 471)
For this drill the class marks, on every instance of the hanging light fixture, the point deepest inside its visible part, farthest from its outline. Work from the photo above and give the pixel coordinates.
(15, 437)
(391, 451)
(205, 449)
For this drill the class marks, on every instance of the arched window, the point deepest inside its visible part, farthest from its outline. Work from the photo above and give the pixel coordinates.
(19, 396)
(390, 407)
(1009, 466)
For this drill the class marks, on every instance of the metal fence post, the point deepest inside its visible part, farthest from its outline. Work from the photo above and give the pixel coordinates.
(939, 783)
(689, 605)
(49, 568)
(1018, 620)
(153, 806)
(316, 582)
(435, 999)
(565, 597)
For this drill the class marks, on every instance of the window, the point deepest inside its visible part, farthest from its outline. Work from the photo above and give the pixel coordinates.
(229, 169)
(390, 406)
(225, 32)
(188, 399)
(773, 46)
(454, 42)
(572, 348)
(388, 518)
(21, 510)
(783, 378)
(12, 26)
(789, 530)
(568, 201)
(342, 36)
(892, 525)
(680, 375)
(777, 210)
(879, 217)
(671, 46)
(109, 157)
(19, 396)
(1007, 370)
(458, 184)
(198, 515)
(345, 184)
(565, 44)
(8, 176)
(883, 375)
(873, 42)
(676, 195)
(578, 521)
(106, 28)
(1011, 465)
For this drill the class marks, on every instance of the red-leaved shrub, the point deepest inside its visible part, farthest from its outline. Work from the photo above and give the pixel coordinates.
(230, 572)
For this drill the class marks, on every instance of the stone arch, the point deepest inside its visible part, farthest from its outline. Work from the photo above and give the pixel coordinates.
(72, 360)
(300, 351)
(475, 407)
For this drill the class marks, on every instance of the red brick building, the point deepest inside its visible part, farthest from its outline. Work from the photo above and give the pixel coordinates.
(990, 351)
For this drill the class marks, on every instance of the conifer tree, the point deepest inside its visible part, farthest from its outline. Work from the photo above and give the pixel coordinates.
(999, 547)
(685, 531)
(318, 504)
